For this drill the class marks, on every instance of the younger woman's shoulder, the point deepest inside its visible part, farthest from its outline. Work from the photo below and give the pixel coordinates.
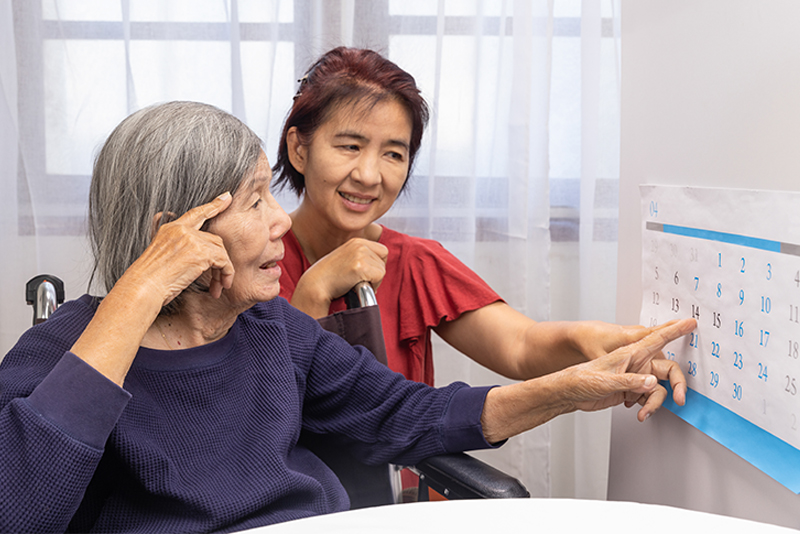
(409, 243)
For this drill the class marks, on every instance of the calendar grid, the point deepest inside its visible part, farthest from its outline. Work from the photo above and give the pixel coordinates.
(701, 259)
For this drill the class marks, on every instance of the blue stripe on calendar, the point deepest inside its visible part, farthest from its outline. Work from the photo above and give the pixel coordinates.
(772, 455)
(724, 237)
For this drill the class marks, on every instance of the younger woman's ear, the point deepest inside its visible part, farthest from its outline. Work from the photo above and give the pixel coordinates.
(296, 150)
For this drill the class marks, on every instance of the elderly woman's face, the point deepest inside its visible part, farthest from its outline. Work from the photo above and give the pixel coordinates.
(252, 228)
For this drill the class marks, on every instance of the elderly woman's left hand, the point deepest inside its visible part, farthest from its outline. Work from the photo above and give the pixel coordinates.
(594, 385)
(637, 357)
(597, 339)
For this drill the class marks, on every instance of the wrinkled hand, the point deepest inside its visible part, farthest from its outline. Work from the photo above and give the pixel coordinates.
(336, 273)
(629, 374)
(180, 253)
(596, 339)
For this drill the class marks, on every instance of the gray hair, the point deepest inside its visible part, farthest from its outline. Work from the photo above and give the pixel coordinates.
(167, 158)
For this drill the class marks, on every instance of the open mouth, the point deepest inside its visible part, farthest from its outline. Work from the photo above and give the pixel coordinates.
(355, 200)
(269, 265)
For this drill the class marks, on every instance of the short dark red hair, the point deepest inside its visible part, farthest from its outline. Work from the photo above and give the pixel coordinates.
(340, 77)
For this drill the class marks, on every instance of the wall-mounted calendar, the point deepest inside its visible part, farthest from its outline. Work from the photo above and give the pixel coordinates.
(731, 259)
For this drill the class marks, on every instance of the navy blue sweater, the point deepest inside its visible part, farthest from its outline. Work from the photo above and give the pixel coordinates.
(205, 439)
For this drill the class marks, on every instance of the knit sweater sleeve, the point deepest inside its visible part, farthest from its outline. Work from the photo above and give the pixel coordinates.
(385, 416)
(52, 431)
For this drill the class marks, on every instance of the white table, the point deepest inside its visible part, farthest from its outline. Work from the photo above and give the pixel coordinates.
(523, 515)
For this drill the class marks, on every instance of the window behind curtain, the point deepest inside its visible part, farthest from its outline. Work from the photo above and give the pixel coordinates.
(88, 64)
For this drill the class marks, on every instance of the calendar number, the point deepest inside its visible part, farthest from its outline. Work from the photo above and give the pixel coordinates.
(791, 386)
(714, 379)
(739, 330)
(764, 338)
(762, 372)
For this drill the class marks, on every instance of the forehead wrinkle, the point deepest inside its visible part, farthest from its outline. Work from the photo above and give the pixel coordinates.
(256, 180)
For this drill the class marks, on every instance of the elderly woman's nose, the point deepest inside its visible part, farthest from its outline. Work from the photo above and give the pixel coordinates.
(281, 222)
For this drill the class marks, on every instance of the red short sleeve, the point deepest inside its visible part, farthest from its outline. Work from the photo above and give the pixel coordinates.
(432, 284)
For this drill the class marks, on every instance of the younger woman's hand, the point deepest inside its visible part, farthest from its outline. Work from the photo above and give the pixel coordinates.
(339, 271)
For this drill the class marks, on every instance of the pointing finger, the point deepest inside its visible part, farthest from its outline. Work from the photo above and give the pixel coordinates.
(649, 347)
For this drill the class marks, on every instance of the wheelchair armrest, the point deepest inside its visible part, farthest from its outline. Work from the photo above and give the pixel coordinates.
(461, 476)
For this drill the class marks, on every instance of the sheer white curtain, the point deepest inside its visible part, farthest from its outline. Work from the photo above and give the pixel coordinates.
(517, 175)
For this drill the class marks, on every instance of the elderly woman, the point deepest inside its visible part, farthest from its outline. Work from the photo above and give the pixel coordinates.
(174, 402)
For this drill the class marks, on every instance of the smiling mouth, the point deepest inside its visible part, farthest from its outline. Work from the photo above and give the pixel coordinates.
(269, 265)
(355, 200)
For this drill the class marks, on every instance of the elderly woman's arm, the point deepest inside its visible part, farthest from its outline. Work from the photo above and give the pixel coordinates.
(511, 344)
(628, 374)
(354, 395)
(177, 256)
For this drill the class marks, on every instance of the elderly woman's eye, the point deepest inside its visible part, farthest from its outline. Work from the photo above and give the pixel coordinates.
(256, 204)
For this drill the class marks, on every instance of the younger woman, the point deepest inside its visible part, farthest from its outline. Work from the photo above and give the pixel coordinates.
(348, 146)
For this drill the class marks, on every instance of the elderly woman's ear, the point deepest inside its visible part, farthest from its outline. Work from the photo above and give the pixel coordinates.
(159, 219)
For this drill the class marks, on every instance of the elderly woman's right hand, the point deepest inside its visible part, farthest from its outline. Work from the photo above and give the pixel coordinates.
(336, 273)
(180, 253)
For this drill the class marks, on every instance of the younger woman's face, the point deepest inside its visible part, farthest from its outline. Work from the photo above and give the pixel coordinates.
(355, 165)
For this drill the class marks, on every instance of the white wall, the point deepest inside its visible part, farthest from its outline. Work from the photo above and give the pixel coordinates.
(711, 97)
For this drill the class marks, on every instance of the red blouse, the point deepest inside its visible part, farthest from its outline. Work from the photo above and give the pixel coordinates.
(424, 285)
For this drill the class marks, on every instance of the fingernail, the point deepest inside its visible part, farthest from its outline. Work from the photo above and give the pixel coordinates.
(650, 381)
(225, 196)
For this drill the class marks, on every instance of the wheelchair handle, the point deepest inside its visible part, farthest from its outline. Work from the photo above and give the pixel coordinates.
(44, 293)
(361, 296)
